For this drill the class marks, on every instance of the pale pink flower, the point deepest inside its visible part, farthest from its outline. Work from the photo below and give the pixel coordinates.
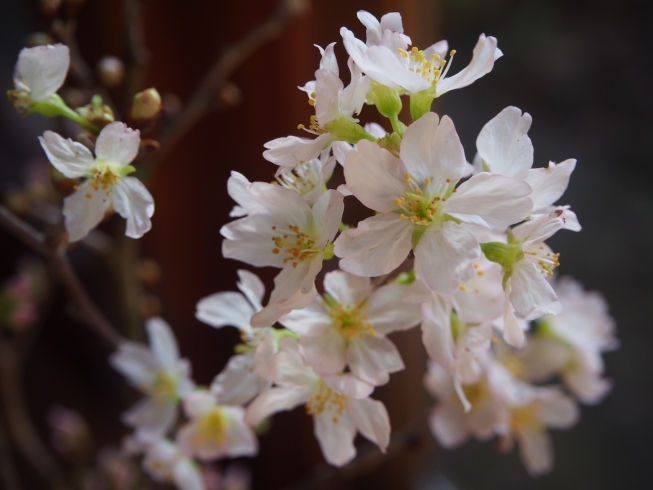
(41, 70)
(165, 463)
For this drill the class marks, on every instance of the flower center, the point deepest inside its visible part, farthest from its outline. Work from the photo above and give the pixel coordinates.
(314, 126)
(350, 320)
(475, 392)
(523, 418)
(432, 68)
(212, 428)
(103, 177)
(423, 207)
(544, 259)
(164, 388)
(322, 398)
(296, 245)
(302, 179)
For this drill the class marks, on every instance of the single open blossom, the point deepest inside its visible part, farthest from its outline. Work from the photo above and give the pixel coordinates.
(39, 73)
(340, 405)
(214, 431)
(420, 207)
(106, 180)
(349, 327)
(386, 59)
(165, 463)
(290, 235)
(244, 376)
(504, 148)
(308, 178)
(159, 373)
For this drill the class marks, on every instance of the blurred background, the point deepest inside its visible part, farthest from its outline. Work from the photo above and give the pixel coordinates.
(582, 69)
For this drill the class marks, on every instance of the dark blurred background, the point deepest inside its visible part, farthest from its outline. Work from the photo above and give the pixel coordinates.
(582, 69)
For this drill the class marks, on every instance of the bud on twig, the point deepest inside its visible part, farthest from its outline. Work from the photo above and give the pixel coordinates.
(111, 71)
(146, 106)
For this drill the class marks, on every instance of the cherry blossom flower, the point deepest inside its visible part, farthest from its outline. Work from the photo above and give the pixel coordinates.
(39, 73)
(214, 431)
(340, 405)
(420, 207)
(348, 327)
(165, 463)
(106, 180)
(308, 178)
(159, 373)
(290, 235)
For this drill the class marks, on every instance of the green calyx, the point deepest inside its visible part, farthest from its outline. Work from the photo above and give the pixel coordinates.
(391, 142)
(344, 129)
(456, 326)
(328, 251)
(329, 300)
(55, 106)
(420, 102)
(386, 100)
(406, 278)
(504, 254)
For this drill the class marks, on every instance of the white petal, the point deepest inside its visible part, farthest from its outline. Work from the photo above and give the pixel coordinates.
(238, 189)
(538, 229)
(226, 308)
(348, 385)
(387, 68)
(503, 143)
(347, 288)
(444, 256)
(536, 451)
(327, 89)
(69, 157)
(252, 287)
(117, 144)
(377, 246)
(43, 69)
(557, 410)
(313, 320)
(291, 150)
(324, 353)
(249, 240)
(371, 420)
(589, 387)
(372, 358)
(198, 403)
(162, 342)
(288, 368)
(238, 382)
(272, 400)
(481, 298)
(187, 476)
(550, 183)
(431, 149)
(388, 313)
(375, 176)
(240, 440)
(83, 210)
(513, 333)
(436, 332)
(327, 213)
(151, 418)
(531, 294)
(136, 363)
(448, 425)
(133, 201)
(336, 438)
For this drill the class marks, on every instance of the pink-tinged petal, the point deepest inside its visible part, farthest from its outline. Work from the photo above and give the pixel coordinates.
(69, 157)
(136, 363)
(499, 201)
(117, 144)
(347, 288)
(326, 353)
(483, 58)
(272, 400)
(150, 417)
(277, 308)
(252, 287)
(438, 382)
(447, 423)
(162, 342)
(549, 183)
(513, 333)
(226, 308)
(535, 451)
(375, 176)
(481, 298)
(240, 440)
(436, 332)
(43, 69)
(531, 294)
(327, 213)
(198, 403)
(557, 410)
(84, 210)
(418, 292)
(348, 385)
(285, 204)
(335, 432)
(444, 256)
(589, 387)
(371, 420)
(291, 150)
(238, 382)
(133, 201)
(431, 149)
(313, 320)
(372, 358)
(287, 368)
(377, 246)
(250, 240)
(503, 143)
(327, 89)
(388, 313)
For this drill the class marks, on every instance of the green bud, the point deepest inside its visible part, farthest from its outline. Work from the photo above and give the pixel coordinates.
(328, 251)
(456, 325)
(406, 278)
(504, 254)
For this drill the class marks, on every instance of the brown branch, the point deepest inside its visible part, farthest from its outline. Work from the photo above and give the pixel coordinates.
(413, 437)
(91, 316)
(200, 102)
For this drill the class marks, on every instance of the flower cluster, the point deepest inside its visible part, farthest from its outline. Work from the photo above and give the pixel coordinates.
(456, 248)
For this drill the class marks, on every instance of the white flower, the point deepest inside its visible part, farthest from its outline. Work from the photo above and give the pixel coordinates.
(388, 32)
(308, 178)
(106, 182)
(420, 207)
(241, 380)
(349, 327)
(290, 235)
(214, 431)
(40, 72)
(340, 405)
(166, 464)
(159, 373)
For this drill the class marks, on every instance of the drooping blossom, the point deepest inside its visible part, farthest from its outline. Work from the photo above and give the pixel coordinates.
(159, 373)
(340, 405)
(290, 235)
(420, 207)
(348, 327)
(214, 431)
(165, 463)
(106, 181)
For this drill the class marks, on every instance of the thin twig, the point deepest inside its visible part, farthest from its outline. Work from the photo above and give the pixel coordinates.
(413, 436)
(37, 241)
(200, 102)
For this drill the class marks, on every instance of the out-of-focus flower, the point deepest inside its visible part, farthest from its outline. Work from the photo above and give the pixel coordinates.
(165, 463)
(71, 436)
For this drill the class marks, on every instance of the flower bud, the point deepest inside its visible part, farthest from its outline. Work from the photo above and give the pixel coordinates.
(146, 105)
(111, 71)
(96, 112)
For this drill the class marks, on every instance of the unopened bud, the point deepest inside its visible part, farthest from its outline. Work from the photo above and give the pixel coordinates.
(146, 105)
(96, 112)
(111, 71)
